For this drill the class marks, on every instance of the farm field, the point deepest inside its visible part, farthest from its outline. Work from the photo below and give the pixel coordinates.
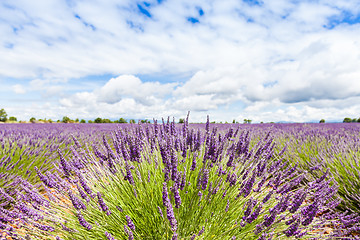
(164, 180)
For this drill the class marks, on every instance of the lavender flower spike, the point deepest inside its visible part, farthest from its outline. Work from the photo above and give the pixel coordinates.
(130, 223)
(103, 206)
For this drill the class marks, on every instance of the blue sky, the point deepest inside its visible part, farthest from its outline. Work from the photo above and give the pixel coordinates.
(274, 60)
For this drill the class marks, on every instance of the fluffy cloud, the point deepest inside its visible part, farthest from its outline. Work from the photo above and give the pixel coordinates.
(276, 60)
(19, 89)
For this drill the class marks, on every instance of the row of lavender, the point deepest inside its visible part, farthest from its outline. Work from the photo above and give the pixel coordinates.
(168, 181)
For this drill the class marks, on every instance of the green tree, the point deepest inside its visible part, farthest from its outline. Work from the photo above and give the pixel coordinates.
(3, 115)
(122, 120)
(247, 121)
(347, 120)
(132, 121)
(66, 119)
(76, 120)
(32, 120)
(358, 119)
(90, 121)
(181, 120)
(82, 121)
(322, 121)
(98, 120)
(105, 120)
(233, 120)
(13, 119)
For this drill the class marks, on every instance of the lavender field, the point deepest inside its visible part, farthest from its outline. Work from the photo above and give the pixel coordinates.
(164, 180)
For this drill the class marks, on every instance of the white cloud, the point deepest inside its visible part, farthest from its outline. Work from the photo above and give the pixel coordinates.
(276, 59)
(19, 89)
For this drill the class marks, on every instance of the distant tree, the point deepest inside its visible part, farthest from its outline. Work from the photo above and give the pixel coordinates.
(32, 120)
(98, 120)
(354, 120)
(181, 120)
(76, 120)
(132, 121)
(358, 119)
(122, 120)
(66, 119)
(50, 121)
(58, 121)
(82, 121)
(13, 119)
(247, 121)
(3, 115)
(105, 120)
(90, 121)
(233, 120)
(347, 120)
(322, 121)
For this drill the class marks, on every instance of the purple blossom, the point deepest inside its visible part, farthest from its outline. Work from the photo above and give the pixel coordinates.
(169, 209)
(83, 222)
(109, 236)
(201, 231)
(292, 229)
(77, 203)
(227, 206)
(298, 199)
(103, 206)
(205, 179)
(130, 223)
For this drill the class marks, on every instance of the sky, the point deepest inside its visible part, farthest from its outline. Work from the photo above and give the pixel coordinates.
(268, 61)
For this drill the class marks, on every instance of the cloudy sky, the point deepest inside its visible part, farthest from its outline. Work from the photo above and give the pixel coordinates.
(270, 60)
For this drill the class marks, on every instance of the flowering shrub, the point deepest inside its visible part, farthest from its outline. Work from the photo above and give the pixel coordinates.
(162, 181)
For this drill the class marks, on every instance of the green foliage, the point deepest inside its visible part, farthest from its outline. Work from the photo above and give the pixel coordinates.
(98, 120)
(66, 119)
(347, 120)
(3, 115)
(82, 121)
(132, 121)
(122, 120)
(32, 120)
(322, 121)
(247, 121)
(13, 119)
(181, 120)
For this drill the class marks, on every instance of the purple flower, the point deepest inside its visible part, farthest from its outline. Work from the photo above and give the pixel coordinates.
(176, 196)
(109, 236)
(130, 223)
(77, 203)
(193, 165)
(44, 227)
(292, 229)
(103, 206)
(268, 196)
(83, 222)
(160, 212)
(298, 199)
(205, 179)
(309, 212)
(269, 219)
(201, 231)
(169, 209)
(227, 206)
(254, 214)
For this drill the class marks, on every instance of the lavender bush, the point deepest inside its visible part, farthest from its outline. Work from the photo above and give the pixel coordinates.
(162, 181)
